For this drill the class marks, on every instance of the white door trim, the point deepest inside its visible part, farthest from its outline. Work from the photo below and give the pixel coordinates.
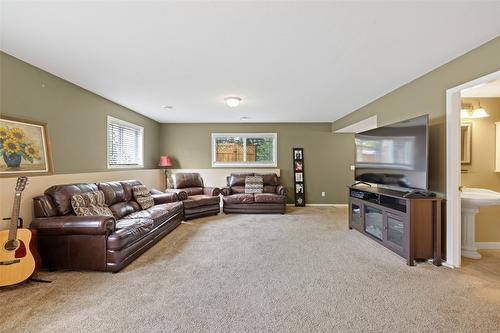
(453, 165)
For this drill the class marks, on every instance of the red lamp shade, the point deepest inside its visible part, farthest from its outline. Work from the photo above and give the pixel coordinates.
(165, 161)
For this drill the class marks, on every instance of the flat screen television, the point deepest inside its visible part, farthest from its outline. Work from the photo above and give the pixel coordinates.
(395, 155)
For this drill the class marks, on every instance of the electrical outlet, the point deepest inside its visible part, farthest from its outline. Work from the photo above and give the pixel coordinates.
(353, 168)
(323, 194)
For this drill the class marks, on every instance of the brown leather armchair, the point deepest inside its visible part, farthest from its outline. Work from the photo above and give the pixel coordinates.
(273, 199)
(197, 199)
(102, 243)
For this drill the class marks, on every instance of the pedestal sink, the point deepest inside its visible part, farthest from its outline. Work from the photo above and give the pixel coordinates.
(472, 200)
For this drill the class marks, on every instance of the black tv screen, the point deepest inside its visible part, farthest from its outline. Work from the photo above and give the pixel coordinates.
(395, 155)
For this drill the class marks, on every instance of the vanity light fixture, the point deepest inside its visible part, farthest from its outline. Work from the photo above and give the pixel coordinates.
(466, 110)
(479, 112)
(464, 113)
(232, 101)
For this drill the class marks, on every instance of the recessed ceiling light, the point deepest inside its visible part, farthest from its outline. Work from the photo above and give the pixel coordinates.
(167, 107)
(232, 101)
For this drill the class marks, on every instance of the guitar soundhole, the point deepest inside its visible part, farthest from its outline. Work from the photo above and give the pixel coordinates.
(11, 245)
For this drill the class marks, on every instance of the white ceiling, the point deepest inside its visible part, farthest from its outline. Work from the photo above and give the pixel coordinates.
(491, 89)
(289, 61)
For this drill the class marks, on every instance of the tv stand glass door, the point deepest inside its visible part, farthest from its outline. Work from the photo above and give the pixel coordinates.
(374, 222)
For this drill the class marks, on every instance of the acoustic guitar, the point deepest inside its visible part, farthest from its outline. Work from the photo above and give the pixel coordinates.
(16, 260)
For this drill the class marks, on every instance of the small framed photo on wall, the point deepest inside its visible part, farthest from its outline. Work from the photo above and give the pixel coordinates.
(299, 177)
(297, 153)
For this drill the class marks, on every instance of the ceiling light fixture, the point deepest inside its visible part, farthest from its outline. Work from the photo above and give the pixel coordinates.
(167, 107)
(232, 101)
(244, 118)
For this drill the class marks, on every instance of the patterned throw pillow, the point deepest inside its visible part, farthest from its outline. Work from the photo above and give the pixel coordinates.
(90, 204)
(143, 197)
(254, 184)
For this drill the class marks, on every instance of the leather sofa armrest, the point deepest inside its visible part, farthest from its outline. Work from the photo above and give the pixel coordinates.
(74, 225)
(211, 191)
(181, 194)
(281, 190)
(225, 191)
(161, 198)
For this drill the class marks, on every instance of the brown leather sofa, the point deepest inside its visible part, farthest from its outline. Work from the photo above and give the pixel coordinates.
(197, 199)
(101, 243)
(272, 200)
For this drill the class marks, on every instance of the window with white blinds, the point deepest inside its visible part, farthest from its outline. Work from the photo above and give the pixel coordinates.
(124, 144)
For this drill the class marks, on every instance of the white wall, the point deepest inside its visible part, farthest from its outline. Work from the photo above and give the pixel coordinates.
(152, 178)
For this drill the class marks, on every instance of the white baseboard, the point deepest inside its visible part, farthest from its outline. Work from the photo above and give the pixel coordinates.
(321, 205)
(488, 245)
(447, 265)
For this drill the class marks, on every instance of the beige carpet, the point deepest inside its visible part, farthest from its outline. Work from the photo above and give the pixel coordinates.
(301, 272)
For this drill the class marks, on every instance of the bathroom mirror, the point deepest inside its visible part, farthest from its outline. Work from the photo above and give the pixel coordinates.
(466, 142)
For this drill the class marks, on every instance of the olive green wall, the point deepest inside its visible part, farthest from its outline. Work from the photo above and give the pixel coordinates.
(427, 94)
(327, 156)
(76, 117)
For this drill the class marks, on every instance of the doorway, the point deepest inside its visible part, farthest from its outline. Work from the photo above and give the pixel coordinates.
(453, 167)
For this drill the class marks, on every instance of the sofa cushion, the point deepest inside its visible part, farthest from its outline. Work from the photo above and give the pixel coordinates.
(121, 209)
(269, 189)
(113, 192)
(143, 197)
(239, 198)
(193, 190)
(61, 195)
(128, 231)
(237, 179)
(269, 179)
(269, 198)
(90, 204)
(254, 184)
(158, 213)
(237, 189)
(128, 188)
(200, 200)
(183, 180)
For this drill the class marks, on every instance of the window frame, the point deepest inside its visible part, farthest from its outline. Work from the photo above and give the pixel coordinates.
(123, 123)
(244, 164)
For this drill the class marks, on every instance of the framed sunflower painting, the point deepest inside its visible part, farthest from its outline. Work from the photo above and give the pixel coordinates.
(24, 147)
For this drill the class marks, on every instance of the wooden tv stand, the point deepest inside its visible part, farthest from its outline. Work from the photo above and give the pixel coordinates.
(409, 226)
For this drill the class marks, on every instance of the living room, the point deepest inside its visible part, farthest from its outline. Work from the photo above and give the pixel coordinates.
(203, 166)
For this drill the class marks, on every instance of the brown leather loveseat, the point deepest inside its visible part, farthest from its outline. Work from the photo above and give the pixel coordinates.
(197, 199)
(273, 198)
(101, 243)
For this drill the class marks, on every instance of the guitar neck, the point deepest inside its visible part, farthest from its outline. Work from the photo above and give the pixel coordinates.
(14, 216)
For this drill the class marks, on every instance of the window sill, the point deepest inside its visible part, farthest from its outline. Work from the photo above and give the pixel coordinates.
(125, 166)
(244, 165)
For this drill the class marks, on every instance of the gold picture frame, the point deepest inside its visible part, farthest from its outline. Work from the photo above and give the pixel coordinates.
(466, 143)
(24, 147)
